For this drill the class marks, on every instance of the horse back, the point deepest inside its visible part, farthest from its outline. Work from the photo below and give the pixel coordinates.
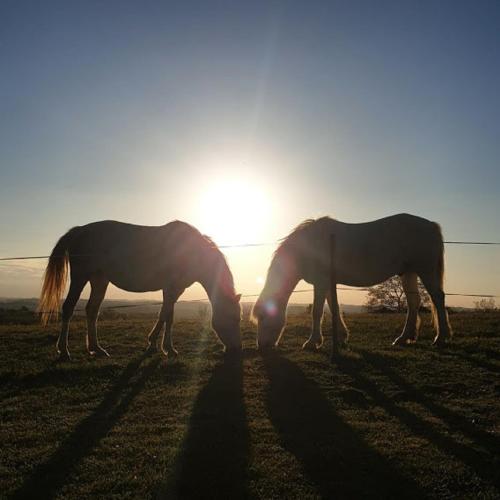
(134, 257)
(370, 252)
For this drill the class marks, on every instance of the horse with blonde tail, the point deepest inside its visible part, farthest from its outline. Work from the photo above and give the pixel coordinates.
(139, 259)
(365, 254)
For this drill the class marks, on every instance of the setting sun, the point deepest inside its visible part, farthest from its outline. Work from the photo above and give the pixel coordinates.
(234, 211)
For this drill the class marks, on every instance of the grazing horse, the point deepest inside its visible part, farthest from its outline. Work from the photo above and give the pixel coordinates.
(365, 254)
(139, 259)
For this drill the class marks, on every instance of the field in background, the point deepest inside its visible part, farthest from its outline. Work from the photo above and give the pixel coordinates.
(10, 309)
(382, 422)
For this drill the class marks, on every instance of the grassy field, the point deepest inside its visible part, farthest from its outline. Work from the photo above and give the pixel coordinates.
(383, 422)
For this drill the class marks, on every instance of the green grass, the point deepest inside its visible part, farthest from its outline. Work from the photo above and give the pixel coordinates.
(383, 422)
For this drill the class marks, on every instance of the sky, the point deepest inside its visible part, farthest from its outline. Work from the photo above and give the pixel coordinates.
(147, 112)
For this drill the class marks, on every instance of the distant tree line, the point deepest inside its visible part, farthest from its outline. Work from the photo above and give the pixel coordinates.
(485, 305)
(389, 296)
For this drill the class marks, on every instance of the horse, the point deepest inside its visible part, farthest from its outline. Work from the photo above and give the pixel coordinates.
(139, 259)
(365, 254)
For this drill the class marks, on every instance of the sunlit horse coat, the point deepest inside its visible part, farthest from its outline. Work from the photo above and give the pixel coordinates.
(139, 259)
(365, 254)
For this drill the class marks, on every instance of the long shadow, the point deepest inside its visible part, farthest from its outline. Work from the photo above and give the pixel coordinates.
(333, 456)
(470, 358)
(51, 475)
(54, 376)
(212, 462)
(483, 462)
(492, 353)
(453, 419)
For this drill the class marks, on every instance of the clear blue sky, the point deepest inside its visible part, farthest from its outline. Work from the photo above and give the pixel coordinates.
(127, 110)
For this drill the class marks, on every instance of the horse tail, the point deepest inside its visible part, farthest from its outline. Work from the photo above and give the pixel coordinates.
(440, 262)
(440, 276)
(54, 279)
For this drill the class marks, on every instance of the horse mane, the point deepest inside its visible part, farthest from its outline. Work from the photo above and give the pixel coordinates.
(209, 245)
(288, 246)
(227, 277)
(211, 242)
(289, 240)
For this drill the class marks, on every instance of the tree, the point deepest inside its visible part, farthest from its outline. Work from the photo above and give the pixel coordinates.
(390, 295)
(485, 305)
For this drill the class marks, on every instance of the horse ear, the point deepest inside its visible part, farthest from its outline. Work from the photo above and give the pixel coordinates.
(238, 297)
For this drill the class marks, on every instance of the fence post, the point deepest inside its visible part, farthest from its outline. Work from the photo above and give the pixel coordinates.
(335, 305)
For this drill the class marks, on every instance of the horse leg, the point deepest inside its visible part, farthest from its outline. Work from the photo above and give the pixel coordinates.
(75, 289)
(316, 339)
(169, 300)
(432, 283)
(343, 331)
(410, 331)
(98, 284)
(155, 332)
(166, 315)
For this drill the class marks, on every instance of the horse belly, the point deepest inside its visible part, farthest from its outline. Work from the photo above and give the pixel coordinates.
(138, 281)
(368, 271)
(136, 286)
(363, 280)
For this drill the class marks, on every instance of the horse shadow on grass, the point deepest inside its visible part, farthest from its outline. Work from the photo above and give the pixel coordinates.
(484, 362)
(54, 376)
(482, 457)
(48, 477)
(333, 455)
(212, 461)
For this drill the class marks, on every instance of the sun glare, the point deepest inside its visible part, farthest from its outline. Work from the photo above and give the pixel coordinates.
(234, 211)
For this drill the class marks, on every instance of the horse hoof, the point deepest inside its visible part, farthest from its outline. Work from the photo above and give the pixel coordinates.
(399, 341)
(440, 342)
(169, 353)
(99, 353)
(310, 345)
(63, 356)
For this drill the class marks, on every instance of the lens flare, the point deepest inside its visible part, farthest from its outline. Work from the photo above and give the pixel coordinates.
(270, 307)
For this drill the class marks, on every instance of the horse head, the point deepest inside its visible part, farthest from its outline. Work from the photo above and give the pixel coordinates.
(269, 314)
(226, 318)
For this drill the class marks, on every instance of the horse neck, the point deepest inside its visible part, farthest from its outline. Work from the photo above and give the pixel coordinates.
(216, 279)
(282, 278)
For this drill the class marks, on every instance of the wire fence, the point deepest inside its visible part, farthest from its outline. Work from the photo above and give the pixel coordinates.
(251, 245)
(243, 245)
(255, 295)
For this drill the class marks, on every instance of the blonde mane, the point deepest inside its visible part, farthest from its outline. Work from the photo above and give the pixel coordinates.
(227, 279)
(289, 241)
(211, 247)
